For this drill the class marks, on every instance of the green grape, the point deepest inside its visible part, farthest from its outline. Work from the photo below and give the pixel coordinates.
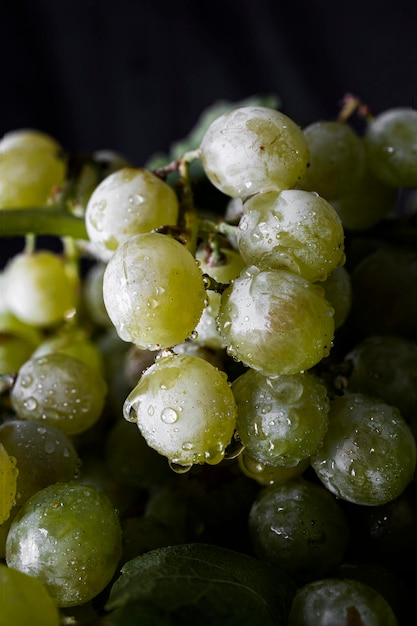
(223, 270)
(25, 600)
(14, 351)
(337, 159)
(368, 456)
(385, 367)
(365, 204)
(185, 409)
(39, 290)
(270, 474)
(276, 322)
(338, 291)
(252, 149)
(43, 455)
(68, 536)
(74, 341)
(92, 296)
(60, 390)
(391, 143)
(280, 420)
(300, 527)
(335, 602)
(28, 138)
(11, 325)
(153, 291)
(127, 202)
(30, 171)
(8, 483)
(294, 230)
(384, 294)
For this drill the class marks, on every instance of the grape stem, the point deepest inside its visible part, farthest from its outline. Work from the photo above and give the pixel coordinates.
(54, 220)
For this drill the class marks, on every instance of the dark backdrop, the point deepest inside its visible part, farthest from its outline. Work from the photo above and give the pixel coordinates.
(133, 76)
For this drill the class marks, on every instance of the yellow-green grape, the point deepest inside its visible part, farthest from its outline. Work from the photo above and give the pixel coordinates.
(8, 483)
(294, 230)
(223, 270)
(74, 341)
(391, 142)
(337, 159)
(153, 291)
(25, 600)
(270, 474)
(368, 456)
(185, 409)
(31, 165)
(276, 322)
(60, 390)
(39, 289)
(11, 325)
(338, 291)
(280, 420)
(252, 149)
(14, 351)
(92, 296)
(127, 202)
(68, 536)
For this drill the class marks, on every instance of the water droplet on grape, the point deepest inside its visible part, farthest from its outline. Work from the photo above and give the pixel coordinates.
(169, 416)
(30, 404)
(178, 468)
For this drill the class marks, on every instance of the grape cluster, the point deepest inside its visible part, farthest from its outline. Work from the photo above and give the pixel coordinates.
(242, 374)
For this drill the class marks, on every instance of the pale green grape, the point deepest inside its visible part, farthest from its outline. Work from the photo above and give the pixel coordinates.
(337, 159)
(294, 230)
(60, 390)
(127, 202)
(391, 142)
(185, 409)
(223, 270)
(14, 351)
(8, 483)
(252, 149)
(68, 536)
(28, 138)
(39, 289)
(338, 291)
(74, 341)
(280, 420)
(31, 167)
(153, 291)
(275, 321)
(369, 453)
(92, 296)
(25, 600)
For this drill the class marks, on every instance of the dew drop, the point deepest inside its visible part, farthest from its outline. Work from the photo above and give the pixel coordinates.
(30, 404)
(169, 416)
(178, 468)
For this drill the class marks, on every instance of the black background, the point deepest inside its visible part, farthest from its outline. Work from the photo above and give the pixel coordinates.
(133, 76)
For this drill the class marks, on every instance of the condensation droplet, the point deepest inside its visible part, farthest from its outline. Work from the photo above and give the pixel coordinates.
(169, 415)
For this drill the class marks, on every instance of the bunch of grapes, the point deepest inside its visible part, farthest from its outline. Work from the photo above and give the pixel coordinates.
(240, 375)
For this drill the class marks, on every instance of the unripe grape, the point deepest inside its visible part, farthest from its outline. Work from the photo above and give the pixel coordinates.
(252, 149)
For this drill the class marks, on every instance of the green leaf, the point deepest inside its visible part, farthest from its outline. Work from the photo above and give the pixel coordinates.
(200, 584)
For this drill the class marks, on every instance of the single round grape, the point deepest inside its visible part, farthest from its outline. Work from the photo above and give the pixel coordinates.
(74, 341)
(60, 390)
(92, 296)
(223, 270)
(185, 409)
(275, 321)
(280, 420)
(153, 291)
(337, 159)
(294, 230)
(391, 142)
(25, 600)
(369, 453)
(337, 602)
(8, 483)
(385, 366)
(252, 149)
(28, 138)
(338, 291)
(127, 202)
(29, 175)
(14, 351)
(43, 454)
(300, 527)
(39, 290)
(68, 536)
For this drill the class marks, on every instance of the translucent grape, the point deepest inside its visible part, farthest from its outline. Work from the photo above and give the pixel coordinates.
(14, 351)
(275, 321)
(60, 390)
(338, 291)
(391, 142)
(153, 291)
(185, 409)
(252, 149)
(280, 420)
(39, 290)
(92, 296)
(369, 453)
(337, 159)
(270, 474)
(127, 202)
(294, 230)
(68, 536)
(25, 600)
(28, 138)
(8, 483)
(75, 342)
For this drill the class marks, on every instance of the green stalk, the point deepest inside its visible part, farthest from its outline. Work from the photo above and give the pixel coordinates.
(54, 221)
